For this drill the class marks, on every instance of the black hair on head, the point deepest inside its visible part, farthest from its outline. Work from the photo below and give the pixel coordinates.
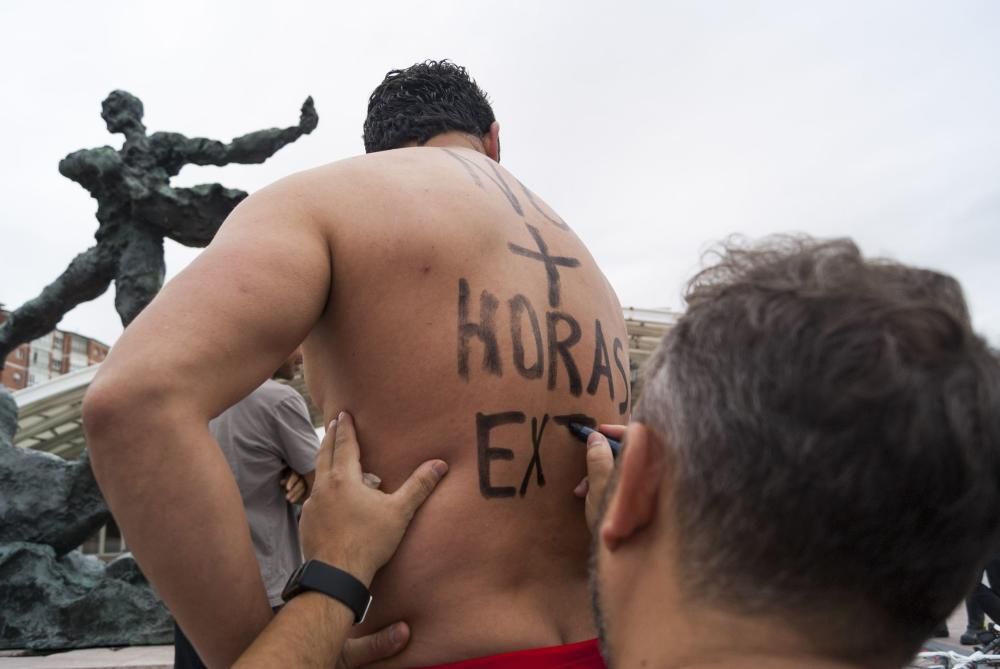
(426, 99)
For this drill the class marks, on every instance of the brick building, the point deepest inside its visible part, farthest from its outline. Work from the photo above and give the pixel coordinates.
(54, 354)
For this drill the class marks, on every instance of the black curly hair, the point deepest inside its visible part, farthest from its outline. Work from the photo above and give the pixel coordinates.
(424, 100)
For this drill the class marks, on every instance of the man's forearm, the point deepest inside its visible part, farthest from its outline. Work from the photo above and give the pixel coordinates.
(175, 498)
(309, 631)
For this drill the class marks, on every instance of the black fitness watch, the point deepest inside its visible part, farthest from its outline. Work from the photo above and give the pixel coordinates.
(333, 582)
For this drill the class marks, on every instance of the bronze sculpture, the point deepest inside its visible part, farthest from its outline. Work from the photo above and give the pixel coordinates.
(51, 506)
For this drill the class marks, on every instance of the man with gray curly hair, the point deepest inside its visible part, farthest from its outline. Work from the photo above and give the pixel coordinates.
(813, 471)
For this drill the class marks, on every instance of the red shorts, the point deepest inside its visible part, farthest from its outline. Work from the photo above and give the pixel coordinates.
(582, 655)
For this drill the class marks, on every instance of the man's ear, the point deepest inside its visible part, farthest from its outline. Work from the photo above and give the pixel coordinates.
(491, 141)
(640, 474)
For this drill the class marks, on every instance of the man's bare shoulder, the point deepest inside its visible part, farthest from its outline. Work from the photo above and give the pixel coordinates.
(363, 167)
(397, 168)
(374, 186)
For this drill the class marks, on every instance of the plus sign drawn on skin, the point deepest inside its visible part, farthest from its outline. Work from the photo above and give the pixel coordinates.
(552, 263)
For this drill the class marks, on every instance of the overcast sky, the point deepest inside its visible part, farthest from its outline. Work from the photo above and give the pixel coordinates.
(654, 128)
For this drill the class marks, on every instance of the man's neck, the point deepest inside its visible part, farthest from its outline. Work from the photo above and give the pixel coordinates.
(720, 647)
(658, 628)
(454, 139)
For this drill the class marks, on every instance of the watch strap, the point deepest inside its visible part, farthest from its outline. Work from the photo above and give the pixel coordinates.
(337, 583)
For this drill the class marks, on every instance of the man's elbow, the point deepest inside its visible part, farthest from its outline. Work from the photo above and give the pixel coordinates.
(116, 413)
(105, 414)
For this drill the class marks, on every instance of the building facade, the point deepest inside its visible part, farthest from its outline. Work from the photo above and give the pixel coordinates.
(54, 354)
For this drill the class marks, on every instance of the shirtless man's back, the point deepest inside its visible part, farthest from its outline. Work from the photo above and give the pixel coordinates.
(455, 315)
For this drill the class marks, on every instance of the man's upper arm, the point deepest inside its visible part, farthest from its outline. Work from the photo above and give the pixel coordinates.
(225, 323)
(296, 436)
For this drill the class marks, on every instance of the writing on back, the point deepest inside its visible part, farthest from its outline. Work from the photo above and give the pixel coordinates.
(533, 351)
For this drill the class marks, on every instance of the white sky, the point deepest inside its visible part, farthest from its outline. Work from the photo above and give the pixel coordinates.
(654, 128)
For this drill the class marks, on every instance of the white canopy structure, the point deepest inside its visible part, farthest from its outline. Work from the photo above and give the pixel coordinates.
(49, 413)
(646, 328)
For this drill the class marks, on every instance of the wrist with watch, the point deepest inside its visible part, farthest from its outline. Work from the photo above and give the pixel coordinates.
(336, 583)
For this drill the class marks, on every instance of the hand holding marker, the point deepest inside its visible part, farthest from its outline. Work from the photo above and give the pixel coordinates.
(581, 432)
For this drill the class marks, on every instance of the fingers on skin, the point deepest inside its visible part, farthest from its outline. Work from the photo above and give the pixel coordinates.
(324, 459)
(346, 452)
(616, 432)
(420, 485)
(383, 644)
(600, 462)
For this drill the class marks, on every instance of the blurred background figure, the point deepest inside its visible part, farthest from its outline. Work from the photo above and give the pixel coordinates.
(984, 601)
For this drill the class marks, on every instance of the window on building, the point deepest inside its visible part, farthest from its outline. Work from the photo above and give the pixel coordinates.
(20, 354)
(17, 376)
(77, 361)
(31, 379)
(78, 345)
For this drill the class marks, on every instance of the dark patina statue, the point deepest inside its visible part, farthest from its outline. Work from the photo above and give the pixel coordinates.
(137, 207)
(49, 506)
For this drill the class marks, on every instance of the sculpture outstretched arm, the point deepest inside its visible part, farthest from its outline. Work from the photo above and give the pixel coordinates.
(87, 277)
(255, 147)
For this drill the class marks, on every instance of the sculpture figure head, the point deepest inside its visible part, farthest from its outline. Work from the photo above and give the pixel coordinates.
(122, 112)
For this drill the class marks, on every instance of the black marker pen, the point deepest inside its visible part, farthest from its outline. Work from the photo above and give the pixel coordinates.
(581, 432)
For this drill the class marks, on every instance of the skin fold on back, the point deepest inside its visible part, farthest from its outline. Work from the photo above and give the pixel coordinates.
(466, 321)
